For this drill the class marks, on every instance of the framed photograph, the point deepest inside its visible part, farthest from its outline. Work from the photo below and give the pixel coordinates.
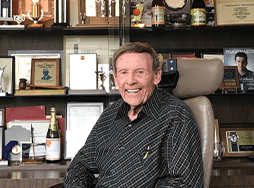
(83, 68)
(238, 142)
(23, 62)
(243, 58)
(46, 72)
(231, 79)
(8, 67)
(234, 12)
(80, 119)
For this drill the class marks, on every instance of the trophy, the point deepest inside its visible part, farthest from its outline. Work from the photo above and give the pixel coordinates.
(6, 11)
(111, 8)
(103, 7)
(137, 12)
(35, 14)
(60, 13)
(102, 77)
(19, 19)
(2, 93)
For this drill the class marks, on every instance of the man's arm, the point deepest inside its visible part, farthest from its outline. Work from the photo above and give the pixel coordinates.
(81, 171)
(182, 154)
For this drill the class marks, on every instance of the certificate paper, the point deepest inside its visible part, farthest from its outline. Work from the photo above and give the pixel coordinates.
(80, 119)
(83, 69)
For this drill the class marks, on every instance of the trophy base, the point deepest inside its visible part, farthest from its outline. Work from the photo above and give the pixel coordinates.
(36, 25)
(2, 94)
(60, 25)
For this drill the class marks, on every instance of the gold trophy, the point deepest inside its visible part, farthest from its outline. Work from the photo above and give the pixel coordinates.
(35, 15)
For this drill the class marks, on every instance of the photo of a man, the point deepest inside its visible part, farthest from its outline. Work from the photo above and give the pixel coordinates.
(242, 58)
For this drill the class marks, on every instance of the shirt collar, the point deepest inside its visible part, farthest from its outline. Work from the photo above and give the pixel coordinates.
(151, 107)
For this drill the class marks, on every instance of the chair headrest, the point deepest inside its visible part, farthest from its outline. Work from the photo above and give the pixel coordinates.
(198, 76)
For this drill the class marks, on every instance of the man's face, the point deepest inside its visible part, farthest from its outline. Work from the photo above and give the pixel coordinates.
(135, 78)
(241, 63)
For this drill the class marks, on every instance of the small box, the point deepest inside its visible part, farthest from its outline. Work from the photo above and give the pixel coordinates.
(234, 12)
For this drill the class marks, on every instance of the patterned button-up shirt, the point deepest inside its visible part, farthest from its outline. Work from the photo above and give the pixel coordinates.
(161, 148)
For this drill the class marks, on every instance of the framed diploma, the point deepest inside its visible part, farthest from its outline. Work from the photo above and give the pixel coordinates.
(80, 119)
(238, 142)
(46, 72)
(7, 76)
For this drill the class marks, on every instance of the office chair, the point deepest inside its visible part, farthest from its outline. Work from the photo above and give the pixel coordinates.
(197, 78)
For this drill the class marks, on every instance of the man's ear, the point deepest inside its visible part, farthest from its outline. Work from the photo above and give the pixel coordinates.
(157, 77)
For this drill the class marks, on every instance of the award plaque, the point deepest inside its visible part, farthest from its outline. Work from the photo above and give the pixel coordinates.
(231, 79)
(238, 142)
(46, 72)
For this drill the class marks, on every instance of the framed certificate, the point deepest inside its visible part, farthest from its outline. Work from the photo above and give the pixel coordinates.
(23, 61)
(79, 121)
(7, 83)
(238, 142)
(46, 72)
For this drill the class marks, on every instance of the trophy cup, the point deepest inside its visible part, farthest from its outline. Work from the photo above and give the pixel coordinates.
(82, 17)
(103, 7)
(111, 7)
(19, 19)
(2, 93)
(35, 14)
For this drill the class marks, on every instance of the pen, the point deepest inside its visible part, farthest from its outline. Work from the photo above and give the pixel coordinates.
(147, 151)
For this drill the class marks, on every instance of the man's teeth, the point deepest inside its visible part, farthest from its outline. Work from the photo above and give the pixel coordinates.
(133, 90)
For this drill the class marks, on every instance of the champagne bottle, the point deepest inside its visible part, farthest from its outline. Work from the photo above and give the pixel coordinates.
(198, 13)
(158, 14)
(53, 139)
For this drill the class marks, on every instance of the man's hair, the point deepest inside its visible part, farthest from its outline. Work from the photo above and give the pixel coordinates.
(136, 47)
(241, 54)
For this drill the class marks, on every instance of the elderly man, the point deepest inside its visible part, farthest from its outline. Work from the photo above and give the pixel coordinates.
(146, 139)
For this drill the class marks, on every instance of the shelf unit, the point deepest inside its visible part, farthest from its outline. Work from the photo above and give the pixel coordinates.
(234, 110)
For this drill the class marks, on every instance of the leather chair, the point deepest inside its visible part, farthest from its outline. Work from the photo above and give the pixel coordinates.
(197, 78)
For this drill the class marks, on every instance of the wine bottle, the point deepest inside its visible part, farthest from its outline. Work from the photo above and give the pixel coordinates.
(158, 14)
(198, 13)
(53, 139)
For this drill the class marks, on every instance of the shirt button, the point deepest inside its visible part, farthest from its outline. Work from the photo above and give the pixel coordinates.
(129, 125)
(121, 148)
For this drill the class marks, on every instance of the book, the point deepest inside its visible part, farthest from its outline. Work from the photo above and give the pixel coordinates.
(40, 92)
(243, 58)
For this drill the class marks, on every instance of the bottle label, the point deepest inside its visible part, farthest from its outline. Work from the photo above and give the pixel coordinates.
(198, 16)
(53, 148)
(158, 15)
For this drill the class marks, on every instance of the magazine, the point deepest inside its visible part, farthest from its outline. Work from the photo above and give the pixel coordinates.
(243, 58)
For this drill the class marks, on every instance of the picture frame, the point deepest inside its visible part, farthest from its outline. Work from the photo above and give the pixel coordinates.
(80, 118)
(246, 75)
(238, 142)
(8, 75)
(46, 72)
(231, 79)
(23, 61)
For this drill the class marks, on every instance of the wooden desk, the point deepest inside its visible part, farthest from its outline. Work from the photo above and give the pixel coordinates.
(33, 176)
(233, 173)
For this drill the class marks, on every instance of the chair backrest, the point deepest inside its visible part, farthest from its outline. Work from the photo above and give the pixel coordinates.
(197, 78)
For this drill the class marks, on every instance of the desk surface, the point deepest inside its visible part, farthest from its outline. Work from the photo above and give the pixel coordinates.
(30, 176)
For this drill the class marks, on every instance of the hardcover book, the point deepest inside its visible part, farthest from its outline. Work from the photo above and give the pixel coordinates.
(243, 58)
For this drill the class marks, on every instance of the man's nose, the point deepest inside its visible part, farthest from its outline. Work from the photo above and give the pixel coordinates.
(131, 79)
